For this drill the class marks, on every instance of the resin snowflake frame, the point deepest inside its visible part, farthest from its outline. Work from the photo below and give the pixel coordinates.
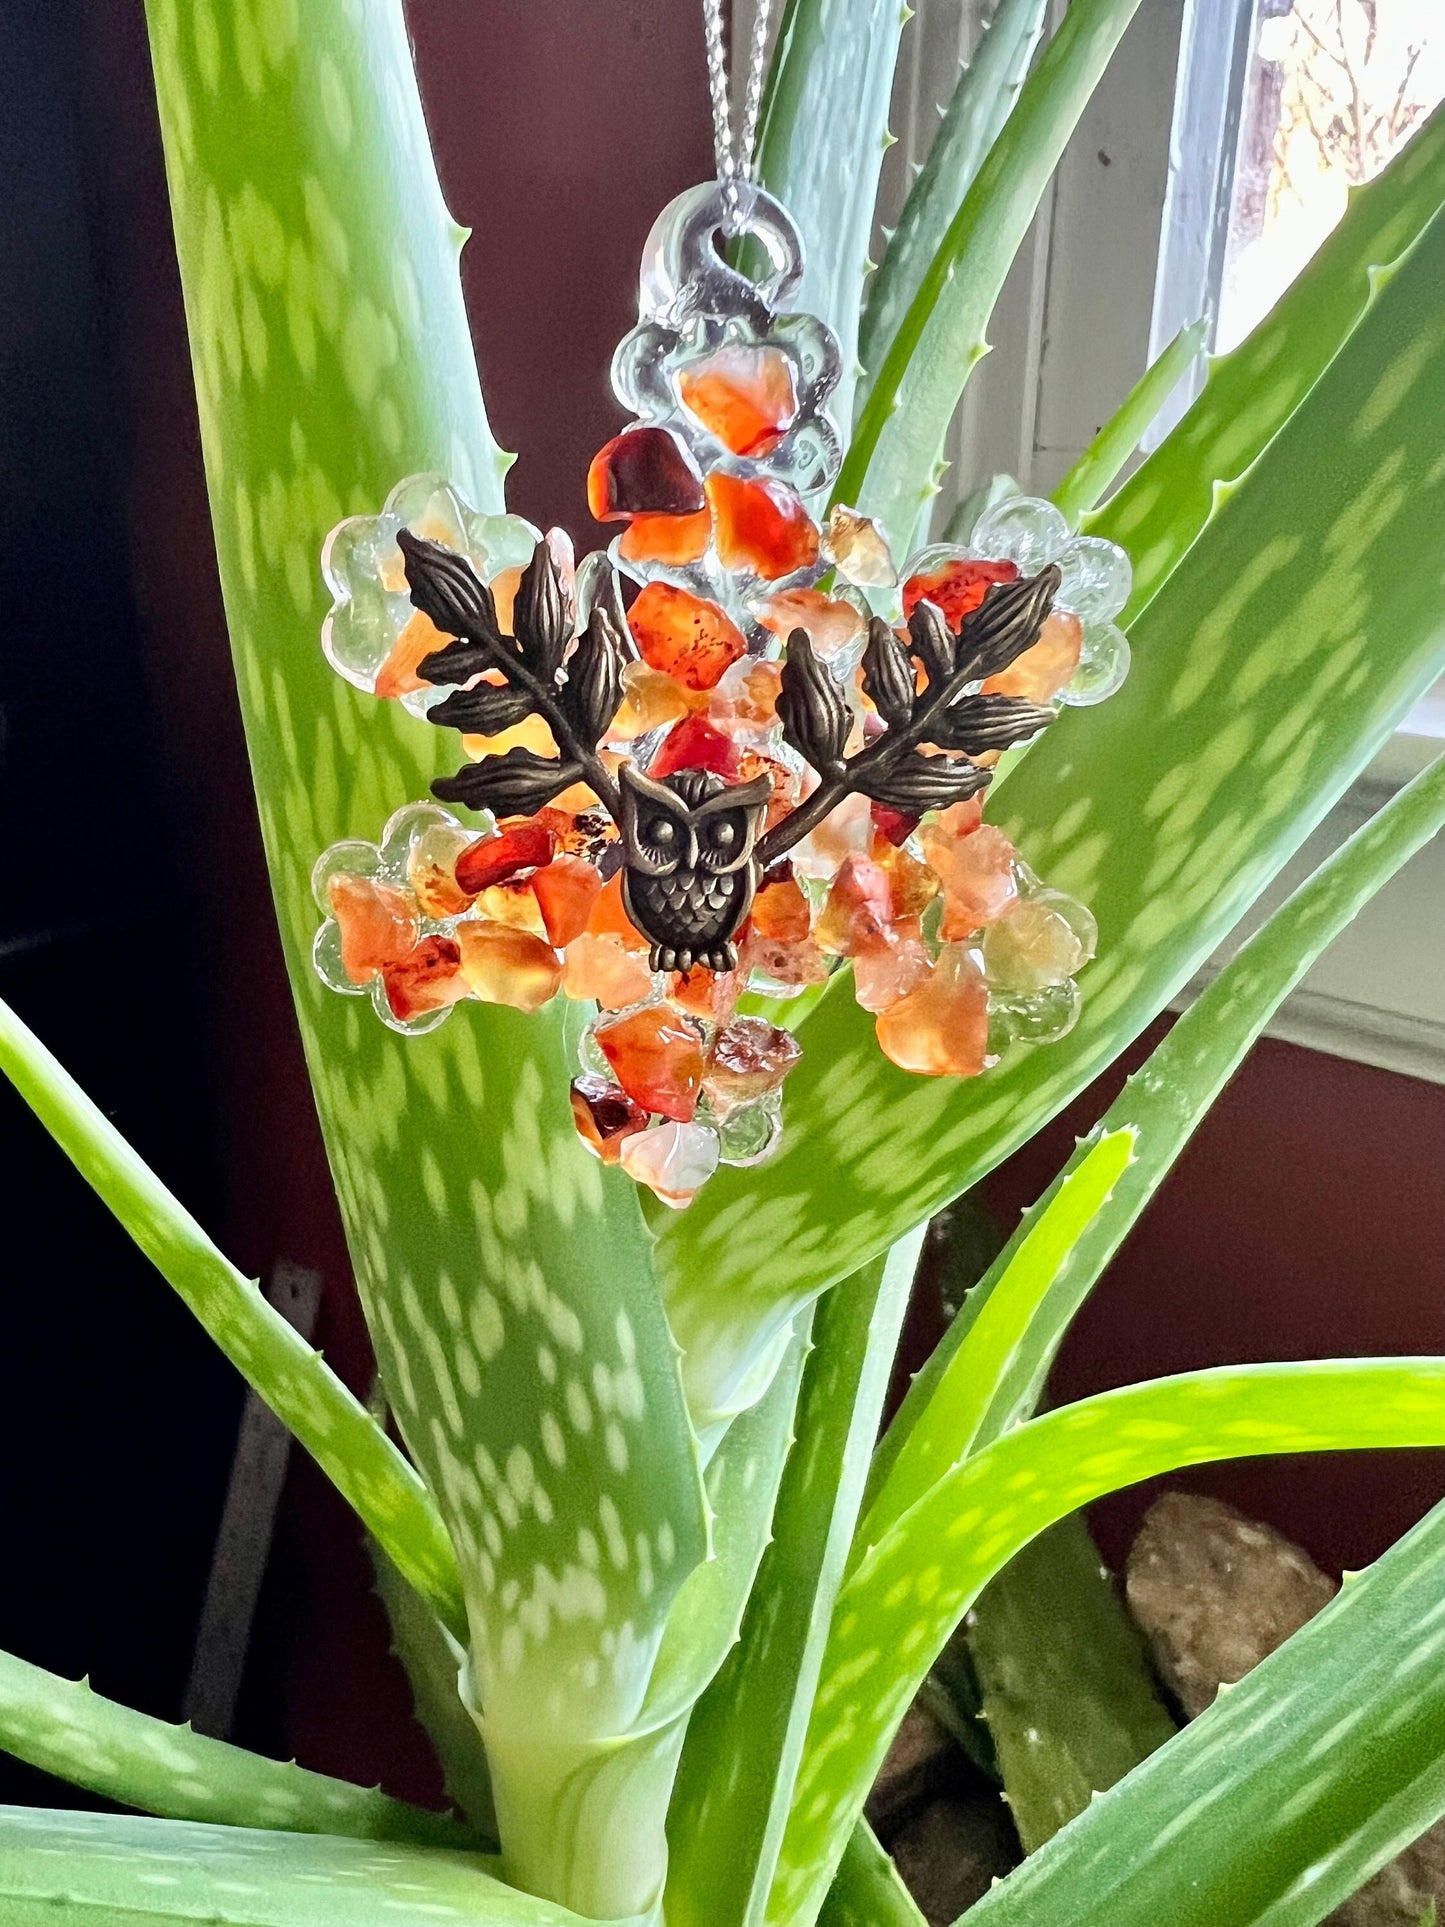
(770, 763)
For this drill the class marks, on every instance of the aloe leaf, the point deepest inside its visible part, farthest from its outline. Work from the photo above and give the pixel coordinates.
(950, 1419)
(78, 1869)
(1286, 647)
(896, 1611)
(1159, 1109)
(1283, 1798)
(746, 1733)
(981, 103)
(62, 1727)
(821, 142)
(432, 1661)
(302, 1390)
(505, 1276)
(1067, 1688)
(892, 466)
(867, 1890)
(742, 1487)
(1252, 391)
(1090, 477)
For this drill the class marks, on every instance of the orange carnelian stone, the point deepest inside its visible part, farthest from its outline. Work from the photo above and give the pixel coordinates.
(685, 636)
(709, 994)
(431, 870)
(378, 924)
(761, 526)
(977, 874)
(745, 396)
(748, 694)
(695, 744)
(670, 539)
(858, 548)
(796, 963)
(427, 978)
(643, 471)
(398, 676)
(609, 916)
(1041, 672)
(956, 589)
(650, 699)
(585, 832)
(513, 904)
(940, 1029)
(565, 890)
(506, 966)
(493, 859)
(784, 780)
(780, 911)
(656, 1056)
(832, 623)
(894, 826)
(886, 968)
(604, 1114)
(913, 884)
(602, 970)
(750, 1058)
(859, 907)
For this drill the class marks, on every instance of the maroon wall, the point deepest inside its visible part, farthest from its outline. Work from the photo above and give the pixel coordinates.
(1307, 1217)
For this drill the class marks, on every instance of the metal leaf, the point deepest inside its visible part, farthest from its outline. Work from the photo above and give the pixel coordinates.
(542, 615)
(486, 710)
(447, 589)
(979, 724)
(888, 673)
(917, 782)
(594, 677)
(811, 708)
(933, 643)
(1007, 622)
(512, 785)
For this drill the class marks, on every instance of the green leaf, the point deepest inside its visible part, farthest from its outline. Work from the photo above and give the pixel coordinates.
(949, 1419)
(506, 1278)
(1253, 391)
(867, 1890)
(742, 1489)
(898, 1608)
(1284, 650)
(1159, 1108)
(432, 1661)
(1285, 1796)
(891, 467)
(821, 142)
(981, 103)
(746, 1733)
(303, 1391)
(1116, 441)
(62, 1727)
(84, 1869)
(584, 1808)
(1068, 1692)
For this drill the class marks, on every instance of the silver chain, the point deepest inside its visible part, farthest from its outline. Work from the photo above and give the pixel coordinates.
(734, 165)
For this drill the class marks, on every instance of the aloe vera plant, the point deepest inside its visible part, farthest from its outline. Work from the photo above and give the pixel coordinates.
(662, 1600)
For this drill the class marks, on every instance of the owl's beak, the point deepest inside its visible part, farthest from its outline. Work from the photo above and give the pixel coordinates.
(692, 851)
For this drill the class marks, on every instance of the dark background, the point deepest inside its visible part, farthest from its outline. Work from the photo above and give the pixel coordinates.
(136, 932)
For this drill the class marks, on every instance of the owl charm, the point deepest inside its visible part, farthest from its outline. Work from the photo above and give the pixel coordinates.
(689, 871)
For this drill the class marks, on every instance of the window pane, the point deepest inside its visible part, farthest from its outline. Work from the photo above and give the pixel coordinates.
(1333, 89)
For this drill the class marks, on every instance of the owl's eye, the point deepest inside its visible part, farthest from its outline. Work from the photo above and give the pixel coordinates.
(661, 830)
(723, 833)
